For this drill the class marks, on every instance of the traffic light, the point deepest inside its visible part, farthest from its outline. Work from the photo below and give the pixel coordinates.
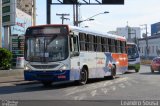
(70, 1)
(112, 1)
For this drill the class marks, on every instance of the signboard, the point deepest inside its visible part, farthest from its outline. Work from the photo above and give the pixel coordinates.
(23, 21)
(8, 12)
(17, 46)
(155, 29)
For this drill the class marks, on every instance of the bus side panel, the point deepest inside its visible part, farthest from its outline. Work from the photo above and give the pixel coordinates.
(102, 65)
(89, 59)
(121, 62)
(75, 69)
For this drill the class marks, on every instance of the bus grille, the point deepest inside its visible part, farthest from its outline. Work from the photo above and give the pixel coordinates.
(45, 66)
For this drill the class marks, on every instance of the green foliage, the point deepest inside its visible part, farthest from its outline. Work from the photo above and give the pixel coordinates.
(5, 58)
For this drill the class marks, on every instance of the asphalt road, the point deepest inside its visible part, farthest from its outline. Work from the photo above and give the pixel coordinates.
(130, 86)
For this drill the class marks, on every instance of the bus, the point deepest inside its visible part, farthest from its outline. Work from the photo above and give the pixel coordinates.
(133, 56)
(67, 53)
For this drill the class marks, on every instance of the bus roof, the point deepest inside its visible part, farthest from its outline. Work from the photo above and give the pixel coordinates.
(86, 30)
(97, 33)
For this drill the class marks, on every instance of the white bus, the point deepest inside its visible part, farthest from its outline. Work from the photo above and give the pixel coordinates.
(133, 56)
(65, 53)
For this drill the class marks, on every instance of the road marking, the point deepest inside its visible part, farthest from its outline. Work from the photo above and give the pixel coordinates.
(80, 97)
(113, 88)
(104, 90)
(94, 92)
(122, 85)
(96, 86)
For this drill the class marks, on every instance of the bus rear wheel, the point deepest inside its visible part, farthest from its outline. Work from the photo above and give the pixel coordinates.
(83, 77)
(113, 72)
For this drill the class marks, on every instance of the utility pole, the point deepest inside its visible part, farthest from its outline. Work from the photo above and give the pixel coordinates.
(34, 13)
(0, 23)
(146, 39)
(49, 2)
(74, 21)
(63, 17)
(77, 13)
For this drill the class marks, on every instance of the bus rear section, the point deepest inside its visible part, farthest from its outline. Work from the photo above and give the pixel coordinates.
(133, 57)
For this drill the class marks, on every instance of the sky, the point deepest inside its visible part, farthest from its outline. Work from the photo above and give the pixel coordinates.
(133, 12)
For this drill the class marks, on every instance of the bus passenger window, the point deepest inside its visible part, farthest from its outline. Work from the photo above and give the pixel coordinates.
(74, 43)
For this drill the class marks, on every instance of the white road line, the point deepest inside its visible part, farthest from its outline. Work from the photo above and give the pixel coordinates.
(96, 86)
(94, 92)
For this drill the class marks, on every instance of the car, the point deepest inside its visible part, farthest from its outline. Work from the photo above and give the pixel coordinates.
(155, 64)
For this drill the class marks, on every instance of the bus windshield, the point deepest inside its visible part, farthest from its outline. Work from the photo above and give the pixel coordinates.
(46, 48)
(132, 51)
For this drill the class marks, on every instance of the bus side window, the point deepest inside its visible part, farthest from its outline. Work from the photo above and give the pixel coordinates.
(110, 45)
(90, 42)
(99, 45)
(74, 46)
(95, 43)
(82, 38)
(107, 45)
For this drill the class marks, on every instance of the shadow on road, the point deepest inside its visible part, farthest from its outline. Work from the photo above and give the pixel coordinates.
(129, 72)
(37, 86)
(150, 73)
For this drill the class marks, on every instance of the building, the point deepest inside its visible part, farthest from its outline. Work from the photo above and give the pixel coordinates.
(153, 46)
(131, 33)
(20, 12)
(155, 29)
(25, 6)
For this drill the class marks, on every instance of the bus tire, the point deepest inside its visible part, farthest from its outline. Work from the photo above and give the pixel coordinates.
(83, 77)
(152, 70)
(47, 83)
(136, 70)
(113, 72)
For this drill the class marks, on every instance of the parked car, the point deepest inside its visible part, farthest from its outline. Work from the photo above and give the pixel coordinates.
(155, 64)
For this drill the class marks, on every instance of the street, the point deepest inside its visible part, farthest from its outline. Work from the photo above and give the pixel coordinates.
(130, 86)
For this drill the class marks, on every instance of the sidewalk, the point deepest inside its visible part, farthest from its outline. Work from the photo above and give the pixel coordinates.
(13, 75)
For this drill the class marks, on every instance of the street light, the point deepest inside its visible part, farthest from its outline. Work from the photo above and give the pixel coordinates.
(91, 18)
(85, 20)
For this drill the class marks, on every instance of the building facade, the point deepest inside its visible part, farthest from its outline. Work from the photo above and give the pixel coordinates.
(153, 46)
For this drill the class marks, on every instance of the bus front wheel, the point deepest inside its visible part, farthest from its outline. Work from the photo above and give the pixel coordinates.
(83, 77)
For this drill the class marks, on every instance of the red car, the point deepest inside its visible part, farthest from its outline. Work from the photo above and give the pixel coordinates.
(155, 64)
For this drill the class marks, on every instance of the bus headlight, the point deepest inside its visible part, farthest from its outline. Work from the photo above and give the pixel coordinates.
(64, 67)
(27, 68)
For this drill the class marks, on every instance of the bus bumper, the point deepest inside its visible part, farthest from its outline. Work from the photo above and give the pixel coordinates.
(47, 75)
